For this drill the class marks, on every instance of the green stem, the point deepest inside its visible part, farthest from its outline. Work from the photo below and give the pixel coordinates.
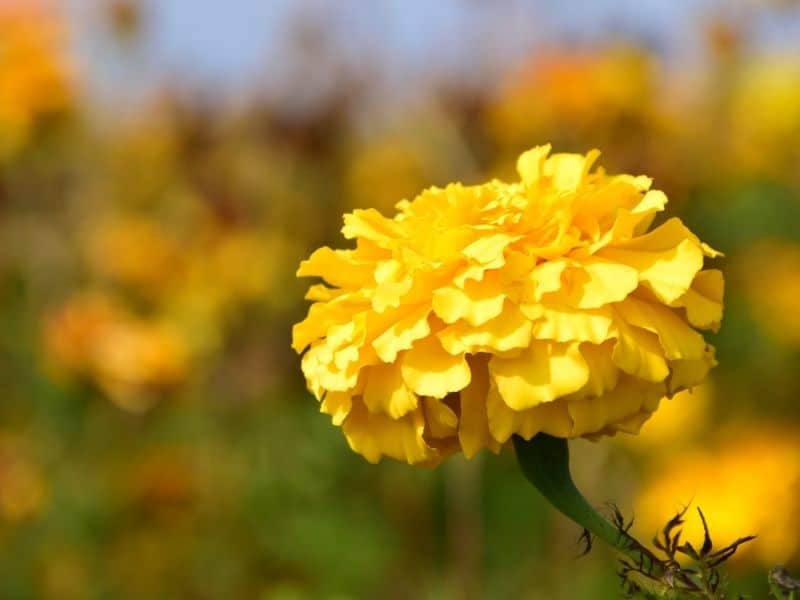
(545, 462)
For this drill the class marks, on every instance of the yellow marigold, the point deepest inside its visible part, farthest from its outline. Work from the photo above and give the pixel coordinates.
(479, 312)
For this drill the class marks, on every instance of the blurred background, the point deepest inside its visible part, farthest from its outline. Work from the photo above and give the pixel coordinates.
(164, 167)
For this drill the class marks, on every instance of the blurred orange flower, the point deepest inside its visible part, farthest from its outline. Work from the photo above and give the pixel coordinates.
(36, 77)
(576, 89)
(133, 360)
(135, 251)
(770, 273)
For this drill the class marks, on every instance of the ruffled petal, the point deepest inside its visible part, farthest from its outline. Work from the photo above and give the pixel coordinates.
(530, 164)
(339, 268)
(678, 340)
(386, 392)
(667, 259)
(639, 353)
(551, 418)
(542, 373)
(374, 435)
(511, 330)
(566, 324)
(591, 414)
(429, 370)
(371, 225)
(604, 282)
(337, 405)
(568, 171)
(477, 303)
(473, 424)
(703, 301)
(401, 335)
(603, 373)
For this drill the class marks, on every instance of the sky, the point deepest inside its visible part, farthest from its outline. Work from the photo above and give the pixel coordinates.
(226, 46)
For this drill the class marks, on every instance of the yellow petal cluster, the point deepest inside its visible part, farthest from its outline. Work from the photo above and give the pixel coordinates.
(479, 312)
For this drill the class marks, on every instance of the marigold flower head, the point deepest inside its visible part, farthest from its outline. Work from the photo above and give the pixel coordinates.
(479, 312)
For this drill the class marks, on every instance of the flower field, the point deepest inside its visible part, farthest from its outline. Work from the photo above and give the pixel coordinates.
(159, 435)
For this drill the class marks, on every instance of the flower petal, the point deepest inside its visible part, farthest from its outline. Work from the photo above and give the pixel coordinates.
(605, 282)
(442, 422)
(337, 405)
(638, 352)
(473, 424)
(429, 370)
(386, 392)
(376, 435)
(565, 324)
(667, 259)
(544, 372)
(703, 301)
(678, 340)
(508, 331)
(477, 303)
(339, 268)
(402, 335)
(551, 418)
(592, 414)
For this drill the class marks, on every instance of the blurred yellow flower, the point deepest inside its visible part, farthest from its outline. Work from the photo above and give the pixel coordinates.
(22, 489)
(36, 78)
(771, 276)
(131, 359)
(478, 312)
(72, 330)
(133, 251)
(224, 271)
(677, 420)
(748, 485)
(243, 263)
(765, 114)
(134, 361)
